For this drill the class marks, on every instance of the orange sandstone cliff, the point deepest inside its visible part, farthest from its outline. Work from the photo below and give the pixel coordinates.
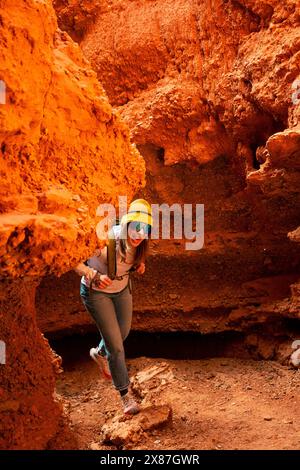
(64, 150)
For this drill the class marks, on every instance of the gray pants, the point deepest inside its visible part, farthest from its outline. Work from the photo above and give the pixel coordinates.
(112, 314)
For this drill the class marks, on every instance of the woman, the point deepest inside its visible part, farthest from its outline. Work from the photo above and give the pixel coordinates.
(110, 301)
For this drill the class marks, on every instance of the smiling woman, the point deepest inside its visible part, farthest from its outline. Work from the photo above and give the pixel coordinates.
(109, 301)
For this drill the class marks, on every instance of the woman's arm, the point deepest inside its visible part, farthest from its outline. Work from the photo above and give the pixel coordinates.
(84, 270)
(89, 274)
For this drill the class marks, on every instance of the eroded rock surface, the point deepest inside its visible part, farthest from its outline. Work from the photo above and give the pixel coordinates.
(64, 150)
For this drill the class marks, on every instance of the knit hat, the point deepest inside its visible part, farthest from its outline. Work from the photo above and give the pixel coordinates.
(139, 211)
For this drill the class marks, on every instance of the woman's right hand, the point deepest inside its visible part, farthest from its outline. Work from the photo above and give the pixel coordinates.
(103, 281)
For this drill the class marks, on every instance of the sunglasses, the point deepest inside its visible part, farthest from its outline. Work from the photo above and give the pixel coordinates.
(138, 226)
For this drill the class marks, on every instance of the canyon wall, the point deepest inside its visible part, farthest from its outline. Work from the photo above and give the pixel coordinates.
(64, 151)
(210, 91)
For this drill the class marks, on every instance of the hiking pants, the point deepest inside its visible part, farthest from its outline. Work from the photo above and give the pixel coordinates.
(112, 313)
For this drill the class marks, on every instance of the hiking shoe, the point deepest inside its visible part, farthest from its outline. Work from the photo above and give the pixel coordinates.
(130, 406)
(295, 358)
(102, 363)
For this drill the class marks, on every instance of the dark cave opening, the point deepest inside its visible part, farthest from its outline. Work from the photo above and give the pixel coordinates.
(174, 345)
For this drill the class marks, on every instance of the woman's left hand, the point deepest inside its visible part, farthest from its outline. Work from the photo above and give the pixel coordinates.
(141, 268)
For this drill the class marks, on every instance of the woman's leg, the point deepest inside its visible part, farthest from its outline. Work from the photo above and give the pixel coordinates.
(102, 309)
(85, 297)
(123, 307)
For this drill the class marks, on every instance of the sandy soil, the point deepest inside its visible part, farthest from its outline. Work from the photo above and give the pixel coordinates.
(217, 404)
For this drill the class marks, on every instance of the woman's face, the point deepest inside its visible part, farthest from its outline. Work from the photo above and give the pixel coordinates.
(137, 233)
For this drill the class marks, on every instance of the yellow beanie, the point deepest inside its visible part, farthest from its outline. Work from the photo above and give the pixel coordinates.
(139, 211)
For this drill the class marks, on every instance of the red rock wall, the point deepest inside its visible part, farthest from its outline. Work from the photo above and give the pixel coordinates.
(202, 79)
(64, 150)
(209, 75)
(29, 413)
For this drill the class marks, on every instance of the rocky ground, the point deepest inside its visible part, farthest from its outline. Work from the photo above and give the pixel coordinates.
(216, 403)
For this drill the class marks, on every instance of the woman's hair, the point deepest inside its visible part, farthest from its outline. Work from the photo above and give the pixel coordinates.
(141, 250)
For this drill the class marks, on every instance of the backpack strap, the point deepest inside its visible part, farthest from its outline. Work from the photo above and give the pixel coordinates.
(111, 255)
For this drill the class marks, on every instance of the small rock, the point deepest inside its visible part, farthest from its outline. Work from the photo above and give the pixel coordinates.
(9, 405)
(131, 430)
(211, 376)
(173, 296)
(268, 418)
(82, 209)
(95, 446)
